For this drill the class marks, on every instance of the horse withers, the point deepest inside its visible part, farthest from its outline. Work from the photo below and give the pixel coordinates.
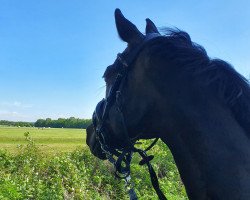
(166, 86)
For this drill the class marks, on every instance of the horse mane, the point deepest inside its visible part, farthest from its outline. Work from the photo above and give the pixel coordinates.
(234, 89)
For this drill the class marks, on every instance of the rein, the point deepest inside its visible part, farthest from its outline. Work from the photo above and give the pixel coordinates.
(124, 154)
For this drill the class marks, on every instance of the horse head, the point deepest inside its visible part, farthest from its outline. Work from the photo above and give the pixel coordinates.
(135, 102)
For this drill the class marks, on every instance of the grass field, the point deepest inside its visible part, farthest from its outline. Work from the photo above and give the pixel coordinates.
(49, 140)
(57, 164)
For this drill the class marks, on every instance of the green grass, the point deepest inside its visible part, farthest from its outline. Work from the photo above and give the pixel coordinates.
(49, 140)
(56, 164)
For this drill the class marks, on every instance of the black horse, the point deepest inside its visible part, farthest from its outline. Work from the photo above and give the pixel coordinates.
(199, 107)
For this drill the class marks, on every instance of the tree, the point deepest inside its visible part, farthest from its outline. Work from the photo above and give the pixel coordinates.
(71, 122)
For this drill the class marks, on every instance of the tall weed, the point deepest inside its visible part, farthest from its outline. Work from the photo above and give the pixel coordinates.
(30, 174)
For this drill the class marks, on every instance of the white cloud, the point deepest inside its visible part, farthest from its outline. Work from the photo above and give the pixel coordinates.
(15, 104)
(15, 111)
(12, 116)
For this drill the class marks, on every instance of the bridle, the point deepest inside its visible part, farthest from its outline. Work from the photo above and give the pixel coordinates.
(124, 153)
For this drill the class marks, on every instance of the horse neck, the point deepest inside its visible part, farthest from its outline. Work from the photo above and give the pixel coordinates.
(211, 151)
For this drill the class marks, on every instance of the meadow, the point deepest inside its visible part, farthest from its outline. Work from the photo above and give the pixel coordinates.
(49, 140)
(56, 164)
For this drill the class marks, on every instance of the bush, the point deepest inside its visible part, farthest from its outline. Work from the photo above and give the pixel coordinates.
(78, 175)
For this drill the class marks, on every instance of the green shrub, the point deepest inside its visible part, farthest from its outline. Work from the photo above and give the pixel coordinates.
(30, 174)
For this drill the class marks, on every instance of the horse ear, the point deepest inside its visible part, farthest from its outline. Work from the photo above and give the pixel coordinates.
(127, 30)
(150, 27)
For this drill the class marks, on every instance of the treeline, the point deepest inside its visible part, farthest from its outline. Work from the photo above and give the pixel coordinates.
(21, 124)
(71, 122)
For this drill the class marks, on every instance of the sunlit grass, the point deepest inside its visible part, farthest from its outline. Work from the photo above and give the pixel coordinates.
(57, 164)
(49, 140)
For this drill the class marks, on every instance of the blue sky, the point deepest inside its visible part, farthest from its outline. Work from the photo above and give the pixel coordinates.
(53, 52)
